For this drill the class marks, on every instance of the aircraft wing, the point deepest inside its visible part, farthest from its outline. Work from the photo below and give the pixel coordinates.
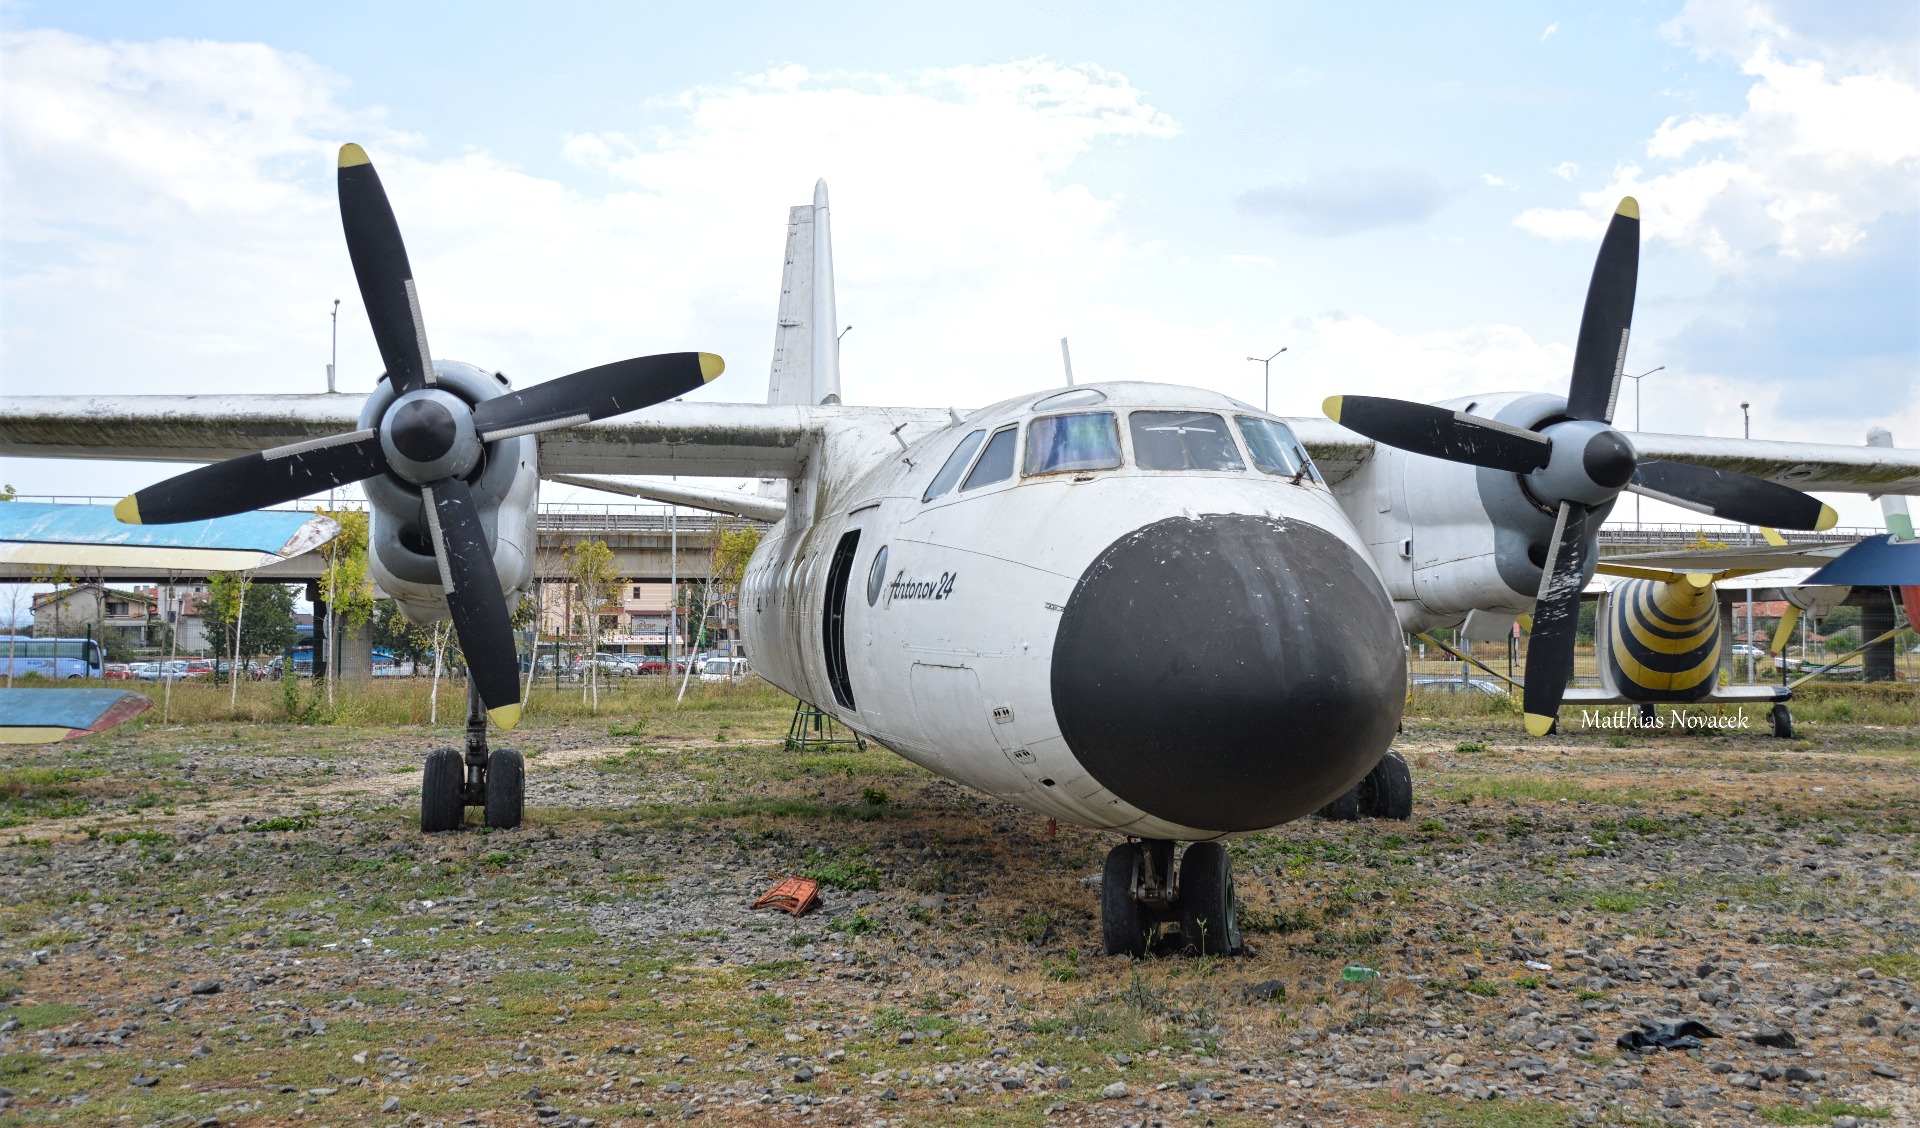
(752, 440)
(90, 536)
(733, 440)
(46, 716)
(1809, 467)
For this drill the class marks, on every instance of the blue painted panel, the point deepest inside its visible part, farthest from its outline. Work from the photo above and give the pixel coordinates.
(69, 708)
(261, 531)
(1873, 562)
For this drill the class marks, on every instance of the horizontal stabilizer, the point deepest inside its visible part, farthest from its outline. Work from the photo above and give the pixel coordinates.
(738, 504)
(90, 536)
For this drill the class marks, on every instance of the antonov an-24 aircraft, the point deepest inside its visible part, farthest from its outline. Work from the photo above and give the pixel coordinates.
(1138, 607)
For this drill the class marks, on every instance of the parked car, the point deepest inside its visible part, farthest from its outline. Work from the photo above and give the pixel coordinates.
(117, 671)
(724, 669)
(642, 664)
(608, 663)
(1746, 650)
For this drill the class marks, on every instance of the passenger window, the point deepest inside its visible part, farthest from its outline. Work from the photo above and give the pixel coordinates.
(1058, 443)
(1183, 440)
(996, 462)
(956, 466)
(1274, 449)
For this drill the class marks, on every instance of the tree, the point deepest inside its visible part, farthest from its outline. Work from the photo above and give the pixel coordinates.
(266, 624)
(400, 636)
(590, 566)
(345, 584)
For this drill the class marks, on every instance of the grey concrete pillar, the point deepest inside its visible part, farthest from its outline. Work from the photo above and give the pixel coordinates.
(1876, 619)
(356, 652)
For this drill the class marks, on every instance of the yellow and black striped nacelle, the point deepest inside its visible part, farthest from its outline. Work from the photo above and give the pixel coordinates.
(1660, 640)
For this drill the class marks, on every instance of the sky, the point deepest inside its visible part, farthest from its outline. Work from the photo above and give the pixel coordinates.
(1407, 198)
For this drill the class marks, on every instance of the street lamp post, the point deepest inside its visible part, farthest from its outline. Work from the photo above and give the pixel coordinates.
(1266, 384)
(1636, 428)
(1746, 430)
(334, 361)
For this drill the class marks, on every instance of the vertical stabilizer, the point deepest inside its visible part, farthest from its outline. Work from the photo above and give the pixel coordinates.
(826, 320)
(806, 342)
(792, 378)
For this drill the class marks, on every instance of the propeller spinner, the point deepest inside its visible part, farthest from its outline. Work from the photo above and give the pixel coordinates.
(1578, 463)
(429, 438)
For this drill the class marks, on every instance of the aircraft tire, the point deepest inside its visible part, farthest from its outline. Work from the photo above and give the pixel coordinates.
(506, 788)
(1782, 718)
(1344, 809)
(1209, 913)
(1124, 928)
(1389, 788)
(440, 806)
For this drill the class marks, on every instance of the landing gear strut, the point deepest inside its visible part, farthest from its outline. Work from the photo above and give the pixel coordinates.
(1385, 793)
(1138, 895)
(495, 780)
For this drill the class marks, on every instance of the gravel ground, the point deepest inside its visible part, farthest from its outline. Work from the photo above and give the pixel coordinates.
(238, 925)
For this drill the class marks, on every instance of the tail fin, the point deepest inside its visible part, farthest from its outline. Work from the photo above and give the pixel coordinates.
(806, 342)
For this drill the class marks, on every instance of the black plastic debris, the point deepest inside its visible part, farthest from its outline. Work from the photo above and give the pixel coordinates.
(1275, 989)
(1682, 1035)
(1776, 1038)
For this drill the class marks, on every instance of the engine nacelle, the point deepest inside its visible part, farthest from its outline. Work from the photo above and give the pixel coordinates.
(1450, 538)
(506, 486)
(1660, 640)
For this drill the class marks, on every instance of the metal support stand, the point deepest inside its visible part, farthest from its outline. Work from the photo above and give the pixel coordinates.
(812, 729)
(475, 790)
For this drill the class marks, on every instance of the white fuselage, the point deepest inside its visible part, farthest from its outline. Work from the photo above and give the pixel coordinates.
(953, 606)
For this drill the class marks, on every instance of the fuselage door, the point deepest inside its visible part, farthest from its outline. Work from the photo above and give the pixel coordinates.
(833, 617)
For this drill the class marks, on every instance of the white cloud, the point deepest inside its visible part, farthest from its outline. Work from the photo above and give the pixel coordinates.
(1492, 181)
(1565, 170)
(1825, 147)
(1552, 29)
(1262, 261)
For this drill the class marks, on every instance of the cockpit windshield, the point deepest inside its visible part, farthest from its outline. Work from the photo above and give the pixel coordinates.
(1274, 449)
(1059, 443)
(956, 465)
(1183, 440)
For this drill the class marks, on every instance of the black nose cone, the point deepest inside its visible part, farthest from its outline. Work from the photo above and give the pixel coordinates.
(423, 430)
(1228, 672)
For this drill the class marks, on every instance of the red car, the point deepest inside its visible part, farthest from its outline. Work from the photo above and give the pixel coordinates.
(117, 671)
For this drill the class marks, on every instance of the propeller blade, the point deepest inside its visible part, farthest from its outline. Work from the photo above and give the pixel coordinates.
(1731, 496)
(253, 481)
(596, 393)
(1600, 353)
(386, 278)
(1439, 433)
(480, 616)
(1556, 620)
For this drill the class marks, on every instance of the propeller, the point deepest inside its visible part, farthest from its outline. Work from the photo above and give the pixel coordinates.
(1578, 463)
(428, 438)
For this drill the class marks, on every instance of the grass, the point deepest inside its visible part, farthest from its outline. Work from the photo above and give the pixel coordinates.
(1823, 1112)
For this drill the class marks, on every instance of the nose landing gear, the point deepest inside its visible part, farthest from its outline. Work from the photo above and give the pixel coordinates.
(1385, 793)
(1138, 895)
(494, 779)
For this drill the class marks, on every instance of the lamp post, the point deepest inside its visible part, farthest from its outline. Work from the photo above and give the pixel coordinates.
(1636, 428)
(1266, 385)
(1746, 430)
(334, 362)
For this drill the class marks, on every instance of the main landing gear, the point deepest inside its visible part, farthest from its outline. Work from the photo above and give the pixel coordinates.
(1385, 793)
(1138, 894)
(495, 780)
(1782, 718)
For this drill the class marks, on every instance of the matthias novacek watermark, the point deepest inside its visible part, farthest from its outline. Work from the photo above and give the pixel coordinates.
(1631, 718)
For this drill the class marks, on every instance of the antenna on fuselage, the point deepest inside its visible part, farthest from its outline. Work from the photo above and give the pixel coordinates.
(1066, 360)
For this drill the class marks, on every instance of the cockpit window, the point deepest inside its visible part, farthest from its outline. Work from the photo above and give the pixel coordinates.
(1059, 443)
(956, 465)
(996, 462)
(1183, 440)
(1274, 449)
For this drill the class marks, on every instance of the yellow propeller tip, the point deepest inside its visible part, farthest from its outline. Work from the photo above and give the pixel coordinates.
(711, 366)
(1538, 725)
(1332, 407)
(127, 510)
(506, 716)
(351, 154)
(1629, 207)
(1828, 519)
